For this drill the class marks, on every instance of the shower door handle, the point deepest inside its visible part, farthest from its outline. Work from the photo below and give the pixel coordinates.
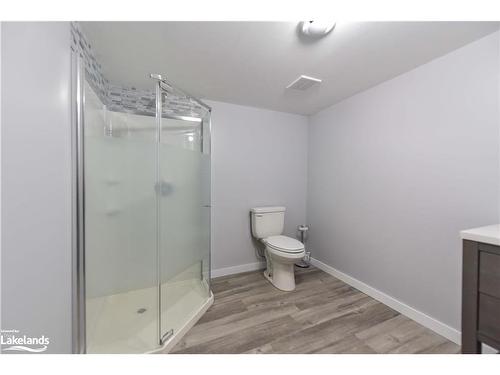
(163, 188)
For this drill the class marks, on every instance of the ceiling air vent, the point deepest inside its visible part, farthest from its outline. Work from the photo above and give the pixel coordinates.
(303, 83)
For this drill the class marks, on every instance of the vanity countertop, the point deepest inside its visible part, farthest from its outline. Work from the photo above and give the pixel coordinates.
(489, 234)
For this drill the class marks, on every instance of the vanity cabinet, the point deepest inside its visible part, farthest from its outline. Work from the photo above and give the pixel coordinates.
(480, 296)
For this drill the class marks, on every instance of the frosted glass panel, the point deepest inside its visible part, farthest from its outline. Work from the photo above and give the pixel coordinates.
(184, 222)
(120, 232)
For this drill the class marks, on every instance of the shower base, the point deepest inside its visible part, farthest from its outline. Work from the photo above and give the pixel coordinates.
(127, 322)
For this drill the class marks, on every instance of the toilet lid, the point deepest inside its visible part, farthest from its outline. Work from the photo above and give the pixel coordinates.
(284, 243)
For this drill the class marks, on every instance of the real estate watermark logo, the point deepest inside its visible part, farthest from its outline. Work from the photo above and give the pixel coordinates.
(13, 340)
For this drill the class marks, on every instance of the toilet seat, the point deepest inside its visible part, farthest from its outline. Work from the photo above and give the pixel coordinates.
(285, 244)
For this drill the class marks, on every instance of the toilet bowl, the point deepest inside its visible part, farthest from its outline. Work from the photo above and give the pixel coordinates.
(281, 252)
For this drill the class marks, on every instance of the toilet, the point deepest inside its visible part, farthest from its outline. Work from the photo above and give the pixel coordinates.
(281, 252)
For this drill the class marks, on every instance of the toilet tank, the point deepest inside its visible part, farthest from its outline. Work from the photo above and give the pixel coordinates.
(267, 221)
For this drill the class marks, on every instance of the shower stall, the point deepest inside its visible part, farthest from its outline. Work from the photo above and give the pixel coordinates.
(142, 217)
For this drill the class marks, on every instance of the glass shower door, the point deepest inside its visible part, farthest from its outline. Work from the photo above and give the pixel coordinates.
(184, 218)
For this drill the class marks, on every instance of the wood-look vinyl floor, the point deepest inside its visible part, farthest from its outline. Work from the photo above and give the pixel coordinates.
(323, 315)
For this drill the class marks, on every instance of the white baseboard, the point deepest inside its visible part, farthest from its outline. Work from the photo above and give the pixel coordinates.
(238, 269)
(439, 327)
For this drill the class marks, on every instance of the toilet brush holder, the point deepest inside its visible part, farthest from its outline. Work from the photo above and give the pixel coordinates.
(304, 263)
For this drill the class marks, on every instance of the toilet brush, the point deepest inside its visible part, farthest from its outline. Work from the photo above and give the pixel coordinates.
(303, 263)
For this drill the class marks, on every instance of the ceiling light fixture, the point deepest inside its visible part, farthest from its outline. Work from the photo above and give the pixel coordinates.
(316, 29)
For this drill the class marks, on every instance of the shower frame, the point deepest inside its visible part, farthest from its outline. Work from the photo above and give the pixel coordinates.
(79, 342)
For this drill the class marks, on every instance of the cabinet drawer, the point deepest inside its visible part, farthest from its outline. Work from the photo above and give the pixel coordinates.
(489, 273)
(489, 316)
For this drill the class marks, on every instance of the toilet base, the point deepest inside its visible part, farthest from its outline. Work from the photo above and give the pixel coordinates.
(282, 276)
(302, 264)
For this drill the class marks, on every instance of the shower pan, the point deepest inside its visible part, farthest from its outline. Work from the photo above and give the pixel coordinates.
(142, 218)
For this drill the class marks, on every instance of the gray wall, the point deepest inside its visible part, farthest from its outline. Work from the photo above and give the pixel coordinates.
(397, 171)
(36, 181)
(259, 159)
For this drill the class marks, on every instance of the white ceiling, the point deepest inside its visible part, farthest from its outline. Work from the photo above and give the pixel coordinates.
(251, 63)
